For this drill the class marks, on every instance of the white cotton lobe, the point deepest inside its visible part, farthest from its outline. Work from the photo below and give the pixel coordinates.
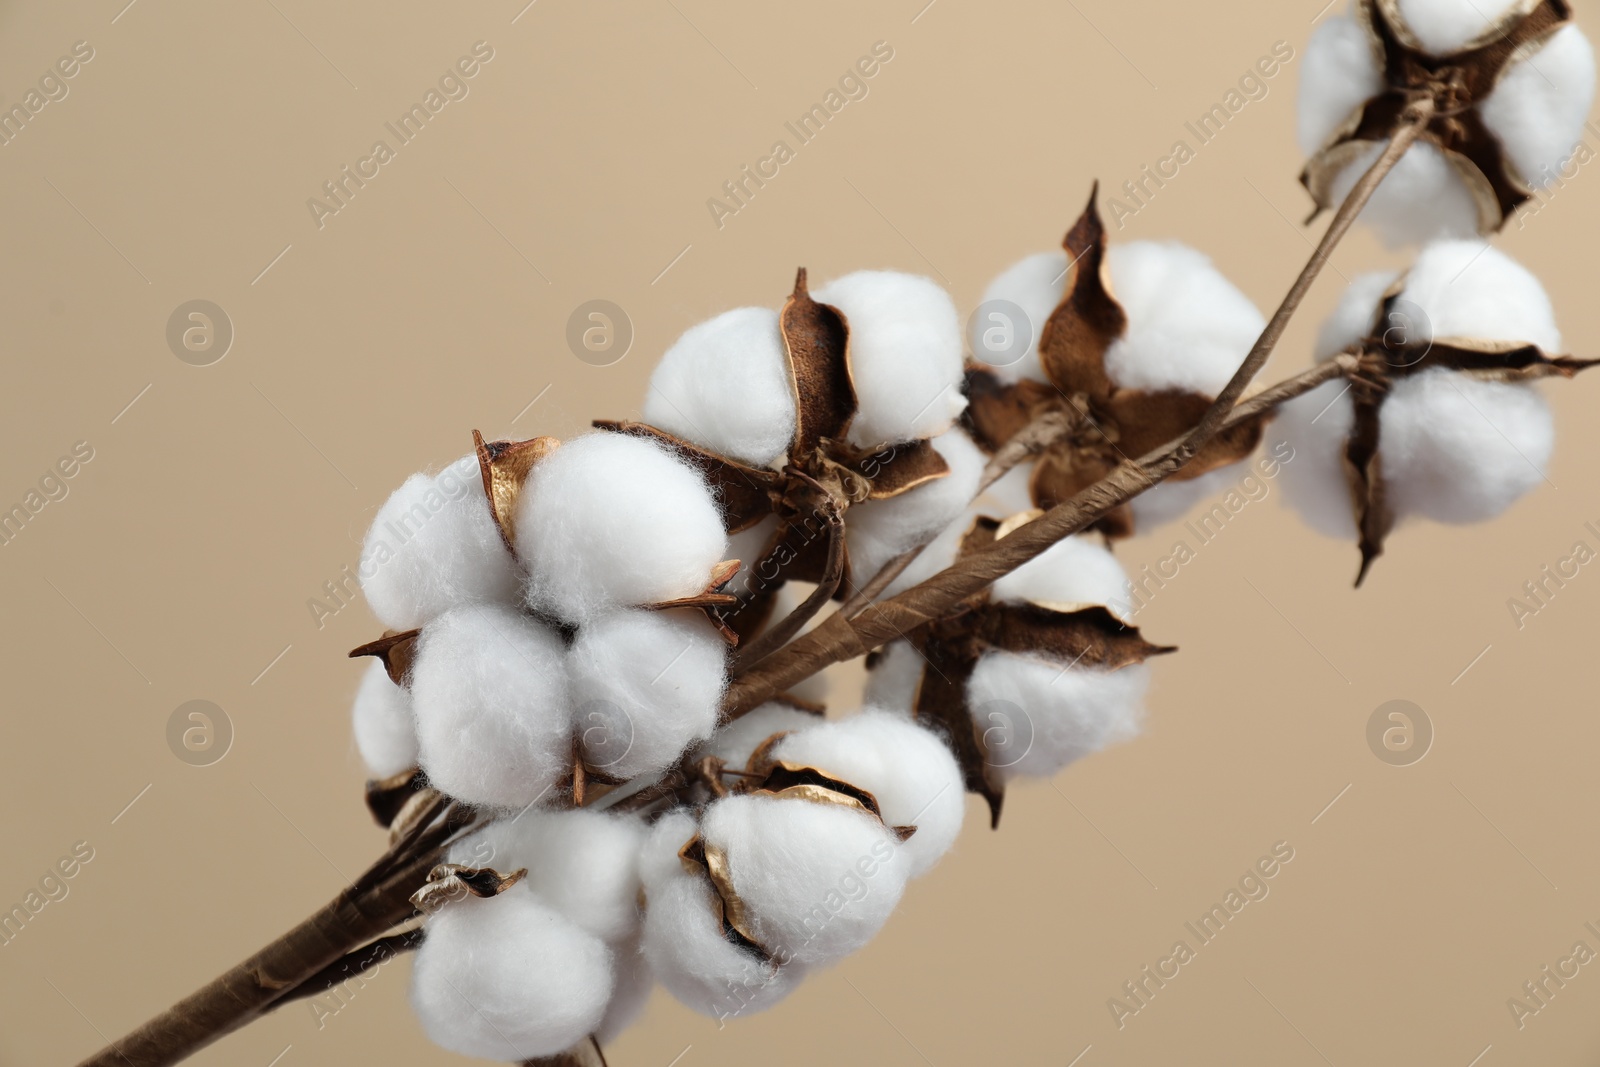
(908, 770)
(1446, 26)
(1338, 74)
(1035, 285)
(725, 386)
(1355, 317)
(610, 520)
(434, 545)
(386, 736)
(1074, 573)
(817, 880)
(684, 943)
(905, 355)
(1188, 326)
(1421, 199)
(634, 984)
(1538, 108)
(1172, 499)
(893, 681)
(1317, 425)
(1469, 289)
(489, 688)
(1050, 714)
(645, 686)
(735, 742)
(508, 978)
(879, 530)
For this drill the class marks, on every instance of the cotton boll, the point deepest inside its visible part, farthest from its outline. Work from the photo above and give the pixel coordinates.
(610, 520)
(905, 355)
(1337, 75)
(646, 685)
(632, 993)
(895, 678)
(1066, 713)
(1470, 289)
(735, 742)
(1075, 572)
(489, 688)
(1539, 105)
(725, 386)
(1188, 326)
(1317, 425)
(1355, 316)
(582, 863)
(908, 770)
(1035, 284)
(386, 736)
(879, 530)
(1460, 450)
(683, 941)
(800, 868)
(1446, 26)
(434, 545)
(1422, 198)
(508, 978)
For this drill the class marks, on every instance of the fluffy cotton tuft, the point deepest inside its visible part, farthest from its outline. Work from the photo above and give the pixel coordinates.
(1075, 572)
(1188, 326)
(1470, 289)
(1421, 199)
(489, 688)
(1538, 107)
(1172, 499)
(800, 868)
(634, 984)
(1034, 284)
(508, 978)
(582, 863)
(1337, 75)
(879, 530)
(1446, 26)
(645, 686)
(725, 386)
(735, 742)
(1317, 425)
(905, 355)
(895, 678)
(386, 735)
(434, 545)
(684, 943)
(1053, 716)
(609, 520)
(908, 770)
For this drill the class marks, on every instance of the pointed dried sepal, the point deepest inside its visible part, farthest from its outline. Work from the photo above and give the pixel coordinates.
(1501, 361)
(397, 648)
(710, 596)
(817, 340)
(387, 796)
(1073, 343)
(504, 467)
(455, 881)
(698, 856)
(1086, 636)
(585, 1053)
(1363, 464)
(744, 494)
(901, 468)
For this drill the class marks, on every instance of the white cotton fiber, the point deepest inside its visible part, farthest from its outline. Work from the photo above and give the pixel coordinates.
(893, 681)
(386, 736)
(935, 556)
(908, 770)
(747, 546)
(1074, 573)
(735, 742)
(1188, 327)
(684, 943)
(633, 987)
(489, 688)
(582, 863)
(434, 545)
(817, 880)
(1538, 107)
(1317, 425)
(1446, 26)
(1421, 199)
(725, 386)
(1337, 75)
(508, 978)
(1009, 494)
(609, 520)
(1065, 713)
(1355, 317)
(1035, 285)
(1470, 289)
(905, 355)
(1460, 450)
(645, 686)
(879, 530)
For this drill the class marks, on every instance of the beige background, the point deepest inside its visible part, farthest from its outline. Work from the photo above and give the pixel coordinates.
(179, 565)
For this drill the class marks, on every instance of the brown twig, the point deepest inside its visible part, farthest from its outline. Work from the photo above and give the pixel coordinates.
(844, 637)
(779, 633)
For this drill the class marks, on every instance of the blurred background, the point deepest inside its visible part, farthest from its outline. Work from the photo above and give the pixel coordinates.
(232, 475)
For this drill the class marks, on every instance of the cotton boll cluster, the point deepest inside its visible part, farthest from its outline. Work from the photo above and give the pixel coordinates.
(905, 355)
(610, 520)
(879, 530)
(386, 735)
(433, 546)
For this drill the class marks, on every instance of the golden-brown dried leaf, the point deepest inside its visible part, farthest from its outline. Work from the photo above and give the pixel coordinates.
(698, 855)
(1086, 637)
(1073, 343)
(456, 881)
(504, 467)
(397, 648)
(817, 340)
(387, 796)
(1147, 420)
(996, 412)
(901, 468)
